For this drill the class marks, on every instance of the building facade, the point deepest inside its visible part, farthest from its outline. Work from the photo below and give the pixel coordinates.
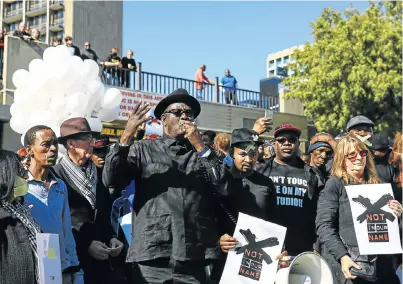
(99, 22)
(278, 60)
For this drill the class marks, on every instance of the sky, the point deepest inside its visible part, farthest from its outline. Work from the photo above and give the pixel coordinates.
(175, 38)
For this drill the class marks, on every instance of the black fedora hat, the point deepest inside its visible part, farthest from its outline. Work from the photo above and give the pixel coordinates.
(178, 96)
(74, 126)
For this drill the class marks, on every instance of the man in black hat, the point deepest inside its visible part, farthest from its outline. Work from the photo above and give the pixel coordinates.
(175, 229)
(362, 127)
(89, 201)
(381, 150)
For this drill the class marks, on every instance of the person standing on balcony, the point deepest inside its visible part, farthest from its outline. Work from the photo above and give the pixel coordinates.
(68, 40)
(201, 79)
(111, 64)
(88, 53)
(229, 84)
(129, 65)
(57, 41)
(35, 35)
(22, 33)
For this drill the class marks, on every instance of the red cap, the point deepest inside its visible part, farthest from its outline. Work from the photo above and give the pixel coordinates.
(287, 127)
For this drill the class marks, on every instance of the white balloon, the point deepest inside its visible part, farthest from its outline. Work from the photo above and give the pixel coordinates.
(63, 51)
(91, 69)
(108, 115)
(37, 66)
(95, 124)
(77, 102)
(18, 125)
(112, 98)
(56, 129)
(20, 77)
(17, 109)
(22, 139)
(50, 55)
(95, 86)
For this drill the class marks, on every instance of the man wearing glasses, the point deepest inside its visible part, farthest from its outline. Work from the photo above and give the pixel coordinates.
(293, 202)
(88, 53)
(175, 230)
(89, 201)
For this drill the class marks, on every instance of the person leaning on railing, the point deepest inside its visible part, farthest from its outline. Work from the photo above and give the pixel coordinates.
(112, 75)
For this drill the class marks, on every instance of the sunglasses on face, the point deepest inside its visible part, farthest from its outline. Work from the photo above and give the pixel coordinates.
(283, 140)
(88, 139)
(180, 112)
(353, 156)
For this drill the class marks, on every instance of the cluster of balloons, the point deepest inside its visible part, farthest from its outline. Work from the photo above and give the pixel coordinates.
(59, 87)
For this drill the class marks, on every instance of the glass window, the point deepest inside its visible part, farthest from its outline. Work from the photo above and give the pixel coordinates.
(286, 59)
(271, 63)
(278, 61)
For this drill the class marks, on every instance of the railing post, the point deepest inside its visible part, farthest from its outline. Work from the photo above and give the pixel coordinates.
(216, 97)
(138, 73)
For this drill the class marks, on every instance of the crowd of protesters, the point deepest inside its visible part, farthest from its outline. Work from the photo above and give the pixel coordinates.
(185, 191)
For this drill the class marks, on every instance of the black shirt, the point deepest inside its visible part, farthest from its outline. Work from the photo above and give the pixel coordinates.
(174, 201)
(126, 61)
(112, 58)
(249, 195)
(291, 207)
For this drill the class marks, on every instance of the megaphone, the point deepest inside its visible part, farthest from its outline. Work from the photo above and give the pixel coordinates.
(306, 268)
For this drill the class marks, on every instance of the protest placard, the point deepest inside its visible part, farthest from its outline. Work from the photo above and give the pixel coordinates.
(50, 271)
(254, 258)
(376, 227)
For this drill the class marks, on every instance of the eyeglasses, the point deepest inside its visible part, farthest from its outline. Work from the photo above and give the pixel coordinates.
(283, 140)
(179, 112)
(353, 156)
(88, 139)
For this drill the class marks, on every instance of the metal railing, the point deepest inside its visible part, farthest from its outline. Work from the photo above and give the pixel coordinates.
(37, 6)
(164, 84)
(57, 22)
(41, 28)
(56, 2)
(12, 13)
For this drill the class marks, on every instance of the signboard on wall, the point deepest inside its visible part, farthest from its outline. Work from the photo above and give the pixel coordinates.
(131, 99)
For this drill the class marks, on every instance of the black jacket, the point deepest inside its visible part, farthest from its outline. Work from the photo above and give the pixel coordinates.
(17, 261)
(335, 228)
(174, 202)
(89, 225)
(384, 170)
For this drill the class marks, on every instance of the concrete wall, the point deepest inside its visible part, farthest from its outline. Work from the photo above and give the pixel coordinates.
(100, 22)
(293, 106)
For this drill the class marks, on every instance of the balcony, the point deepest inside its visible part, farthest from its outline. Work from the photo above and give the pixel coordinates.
(41, 28)
(39, 8)
(12, 16)
(57, 25)
(9, 1)
(56, 5)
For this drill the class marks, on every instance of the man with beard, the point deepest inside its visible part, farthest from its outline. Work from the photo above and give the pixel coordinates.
(174, 204)
(89, 201)
(47, 198)
(293, 202)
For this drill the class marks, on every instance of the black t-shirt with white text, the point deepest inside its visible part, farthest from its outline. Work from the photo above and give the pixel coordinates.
(291, 207)
(126, 61)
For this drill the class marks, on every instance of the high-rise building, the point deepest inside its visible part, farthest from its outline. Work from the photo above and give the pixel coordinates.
(277, 62)
(99, 22)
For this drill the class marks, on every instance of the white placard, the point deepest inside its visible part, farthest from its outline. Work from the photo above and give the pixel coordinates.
(126, 224)
(254, 259)
(376, 227)
(50, 270)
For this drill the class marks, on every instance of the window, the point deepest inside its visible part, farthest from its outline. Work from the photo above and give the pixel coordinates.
(278, 61)
(271, 73)
(271, 63)
(286, 59)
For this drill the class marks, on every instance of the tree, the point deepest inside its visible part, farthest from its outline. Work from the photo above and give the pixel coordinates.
(354, 67)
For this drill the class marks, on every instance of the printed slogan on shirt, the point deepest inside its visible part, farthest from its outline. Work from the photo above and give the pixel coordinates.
(290, 191)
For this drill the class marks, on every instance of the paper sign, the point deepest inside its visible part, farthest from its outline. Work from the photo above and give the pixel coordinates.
(254, 258)
(50, 270)
(126, 224)
(376, 227)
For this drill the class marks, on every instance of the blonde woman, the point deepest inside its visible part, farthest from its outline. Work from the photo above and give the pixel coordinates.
(352, 164)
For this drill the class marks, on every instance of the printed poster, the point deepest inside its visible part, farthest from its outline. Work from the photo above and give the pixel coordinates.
(50, 270)
(376, 227)
(254, 258)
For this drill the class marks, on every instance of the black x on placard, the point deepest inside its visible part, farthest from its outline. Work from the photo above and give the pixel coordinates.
(257, 246)
(374, 208)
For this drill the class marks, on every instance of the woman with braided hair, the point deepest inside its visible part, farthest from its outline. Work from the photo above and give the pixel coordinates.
(17, 228)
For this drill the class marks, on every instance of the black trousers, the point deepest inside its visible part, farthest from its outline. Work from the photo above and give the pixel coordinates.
(168, 271)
